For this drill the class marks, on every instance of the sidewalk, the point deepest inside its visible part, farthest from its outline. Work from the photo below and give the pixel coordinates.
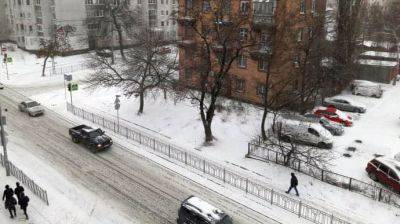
(34, 207)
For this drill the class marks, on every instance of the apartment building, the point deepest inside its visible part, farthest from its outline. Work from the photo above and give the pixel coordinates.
(35, 20)
(157, 14)
(246, 79)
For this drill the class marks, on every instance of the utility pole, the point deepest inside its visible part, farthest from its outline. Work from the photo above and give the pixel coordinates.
(4, 143)
(398, 64)
(117, 105)
(112, 35)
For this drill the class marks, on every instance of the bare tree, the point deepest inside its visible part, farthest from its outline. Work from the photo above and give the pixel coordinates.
(214, 37)
(146, 67)
(56, 46)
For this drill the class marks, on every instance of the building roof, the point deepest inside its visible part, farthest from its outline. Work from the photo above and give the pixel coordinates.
(377, 63)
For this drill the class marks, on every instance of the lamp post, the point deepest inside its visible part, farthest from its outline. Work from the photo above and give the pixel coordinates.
(4, 142)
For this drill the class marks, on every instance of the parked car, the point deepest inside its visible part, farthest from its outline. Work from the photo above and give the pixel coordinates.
(94, 139)
(386, 171)
(33, 108)
(397, 156)
(366, 88)
(303, 132)
(1, 86)
(194, 210)
(334, 115)
(344, 104)
(333, 127)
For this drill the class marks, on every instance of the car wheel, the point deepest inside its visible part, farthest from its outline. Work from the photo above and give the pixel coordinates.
(372, 176)
(358, 110)
(30, 114)
(75, 140)
(322, 145)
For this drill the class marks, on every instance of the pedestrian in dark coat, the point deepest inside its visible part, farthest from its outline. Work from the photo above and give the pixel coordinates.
(293, 184)
(23, 202)
(8, 193)
(18, 190)
(10, 205)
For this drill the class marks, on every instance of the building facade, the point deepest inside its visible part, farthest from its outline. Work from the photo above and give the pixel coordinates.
(33, 21)
(286, 21)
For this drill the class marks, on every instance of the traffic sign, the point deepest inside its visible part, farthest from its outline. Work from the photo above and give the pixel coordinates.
(9, 59)
(117, 102)
(67, 77)
(72, 87)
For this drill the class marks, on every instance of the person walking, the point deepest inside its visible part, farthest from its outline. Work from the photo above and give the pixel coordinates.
(293, 184)
(8, 193)
(23, 202)
(18, 190)
(10, 205)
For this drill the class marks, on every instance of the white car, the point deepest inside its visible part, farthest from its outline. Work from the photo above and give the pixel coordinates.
(33, 108)
(366, 88)
(305, 132)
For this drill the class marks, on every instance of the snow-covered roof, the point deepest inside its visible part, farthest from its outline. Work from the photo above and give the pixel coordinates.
(381, 54)
(377, 63)
(203, 208)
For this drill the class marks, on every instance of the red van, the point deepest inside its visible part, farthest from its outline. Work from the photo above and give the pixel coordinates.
(385, 171)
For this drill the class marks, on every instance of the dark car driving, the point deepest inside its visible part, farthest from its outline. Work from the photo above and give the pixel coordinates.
(94, 139)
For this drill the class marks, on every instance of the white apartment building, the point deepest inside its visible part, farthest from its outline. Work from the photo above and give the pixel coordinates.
(35, 20)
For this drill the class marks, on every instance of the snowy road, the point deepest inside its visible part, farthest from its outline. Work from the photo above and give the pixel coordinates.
(135, 185)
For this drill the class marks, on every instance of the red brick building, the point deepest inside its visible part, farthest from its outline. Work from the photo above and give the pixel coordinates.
(286, 22)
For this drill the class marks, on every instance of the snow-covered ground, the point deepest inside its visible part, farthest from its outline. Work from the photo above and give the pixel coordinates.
(180, 123)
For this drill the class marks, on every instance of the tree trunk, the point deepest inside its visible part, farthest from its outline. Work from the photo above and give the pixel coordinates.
(120, 37)
(208, 133)
(44, 65)
(141, 100)
(264, 117)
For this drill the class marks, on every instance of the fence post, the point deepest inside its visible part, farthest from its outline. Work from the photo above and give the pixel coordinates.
(103, 122)
(154, 144)
(248, 149)
(276, 157)
(92, 118)
(186, 158)
(47, 199)
(126, 132)
(204, 166)
(322, 175)
(380, 194)
(332, 219)
(169, 151)
(247, 185)
(298, 166)
(350, 183)
(140, 138)
(299, 209)
(272, 196)
(224, 175)
(114, 125)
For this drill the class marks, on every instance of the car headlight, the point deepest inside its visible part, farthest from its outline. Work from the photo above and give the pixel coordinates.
(99, 145)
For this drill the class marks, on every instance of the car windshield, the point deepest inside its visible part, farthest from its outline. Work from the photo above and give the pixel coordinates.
(32, 104)
(226, 220)
(95, 133)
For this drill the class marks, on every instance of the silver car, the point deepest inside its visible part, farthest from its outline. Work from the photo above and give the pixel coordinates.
(332, 127)
(344, 104)
(33, 108)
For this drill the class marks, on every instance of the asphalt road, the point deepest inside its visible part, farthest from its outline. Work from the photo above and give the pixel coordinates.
(141, 188)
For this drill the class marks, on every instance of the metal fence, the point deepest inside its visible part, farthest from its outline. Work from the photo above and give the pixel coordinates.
(259, 151)
(301, 209)
(42, 194)
(61, 70)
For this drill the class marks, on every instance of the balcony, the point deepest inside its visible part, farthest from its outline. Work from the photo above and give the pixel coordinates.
(186, 20)
(263, 21)
(260, 51)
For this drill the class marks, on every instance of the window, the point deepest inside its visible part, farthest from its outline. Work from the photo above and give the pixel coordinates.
(162, 12)
(30, 28)
(244, 7)
(28, 2)
(261, 90)
(162, 1)
(313, 132)
(139, 1)
(19, 2)
(314, 6)
(296, 61)
(166, 12)
(384, 168)
(89, 2)
(239, 85)
(302, 6)
(300, 35)
(262, 64)
(242, 61)
(393, 175)
(206, 5)
(242, 34)
(152, 1)
(162, 23)
(37, 2)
